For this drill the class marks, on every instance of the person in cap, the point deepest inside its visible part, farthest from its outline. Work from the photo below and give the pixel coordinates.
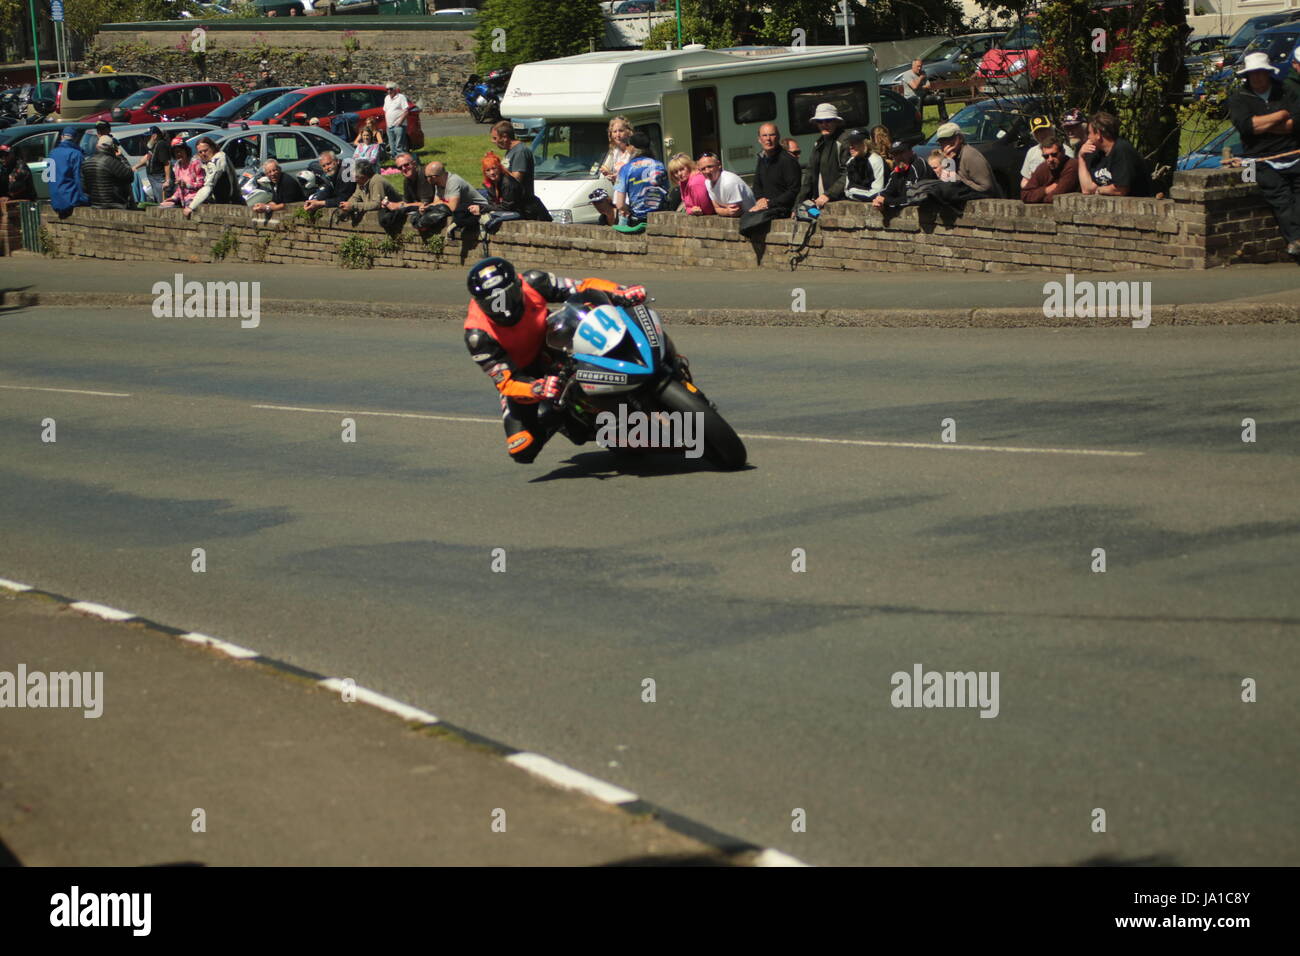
(505, 332)
(975, 179)
(103, 128)
(107, 178)
(157, 165)
(824, 178)
(730, 195)
(1040, 127)
(266, 81)
(1266, 115)
(187, 174)
(865, 172)
(1076, 129)
(396, 108)
(776, 176)
(63, 167)
(905, 171)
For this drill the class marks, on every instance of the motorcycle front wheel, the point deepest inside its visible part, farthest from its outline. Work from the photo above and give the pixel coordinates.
(722, 446)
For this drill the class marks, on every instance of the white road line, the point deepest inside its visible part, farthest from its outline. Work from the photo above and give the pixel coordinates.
(953, 446)
(74, 391)
(233, 650)
(13, 585)
(570, 779)
(770, 857)
(101, 610)
(339, 411)
(821, 441)
(375, 699)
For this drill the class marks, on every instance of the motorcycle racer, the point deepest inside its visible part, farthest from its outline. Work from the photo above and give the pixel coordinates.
(505, 332)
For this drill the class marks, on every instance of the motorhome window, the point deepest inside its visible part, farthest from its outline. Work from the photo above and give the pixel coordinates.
(849, 98)
(754, 108)
(569, 150)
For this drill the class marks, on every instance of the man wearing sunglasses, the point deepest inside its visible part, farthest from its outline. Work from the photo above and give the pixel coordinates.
(729, 194)
(1055, 175)
(418, 194)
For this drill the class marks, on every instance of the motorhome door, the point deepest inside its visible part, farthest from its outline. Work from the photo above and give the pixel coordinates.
(704, 120)
(675, 112)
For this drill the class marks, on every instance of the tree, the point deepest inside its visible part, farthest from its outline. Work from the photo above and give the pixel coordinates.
(511, 32)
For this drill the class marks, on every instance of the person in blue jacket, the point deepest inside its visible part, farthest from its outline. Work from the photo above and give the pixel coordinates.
(63, 167)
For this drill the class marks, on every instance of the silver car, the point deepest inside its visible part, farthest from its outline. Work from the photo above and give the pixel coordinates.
(294, 147)
(134, 142)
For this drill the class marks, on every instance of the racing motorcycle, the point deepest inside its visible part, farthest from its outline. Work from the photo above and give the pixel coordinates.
(614, 356)
(483, 95)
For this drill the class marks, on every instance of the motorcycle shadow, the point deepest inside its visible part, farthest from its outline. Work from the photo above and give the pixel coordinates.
(613, 463)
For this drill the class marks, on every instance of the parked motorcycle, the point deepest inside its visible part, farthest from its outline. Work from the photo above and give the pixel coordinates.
(483, 95)
(615, 356)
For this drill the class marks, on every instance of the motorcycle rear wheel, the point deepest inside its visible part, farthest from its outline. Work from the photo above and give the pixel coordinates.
(722, 446)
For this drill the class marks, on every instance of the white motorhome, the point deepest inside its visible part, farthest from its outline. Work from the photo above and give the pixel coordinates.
(690, 101)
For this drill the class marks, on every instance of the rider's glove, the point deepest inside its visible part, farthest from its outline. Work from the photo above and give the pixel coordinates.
(632, 295)
(549, 388)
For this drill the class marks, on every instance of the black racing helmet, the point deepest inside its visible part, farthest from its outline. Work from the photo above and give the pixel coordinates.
(495, 286)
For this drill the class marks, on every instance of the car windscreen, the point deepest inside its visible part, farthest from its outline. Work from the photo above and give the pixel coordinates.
(944, 50)
(1022, 37)
(138, 98)
(1248, 31)
(276, 106)
(569, 150)
(1278, 46)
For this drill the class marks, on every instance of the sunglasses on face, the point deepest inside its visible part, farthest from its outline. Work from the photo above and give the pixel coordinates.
(404, 166)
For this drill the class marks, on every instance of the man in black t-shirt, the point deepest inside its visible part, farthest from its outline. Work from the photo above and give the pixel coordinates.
(1108, 165)
(284, 189)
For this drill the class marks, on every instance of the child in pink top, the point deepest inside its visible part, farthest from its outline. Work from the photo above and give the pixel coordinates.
(187, 174)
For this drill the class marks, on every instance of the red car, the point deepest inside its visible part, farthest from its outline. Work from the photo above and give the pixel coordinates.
(173, 101)
(326, 102)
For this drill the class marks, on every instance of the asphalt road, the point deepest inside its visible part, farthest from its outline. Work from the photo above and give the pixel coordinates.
(1119, 691)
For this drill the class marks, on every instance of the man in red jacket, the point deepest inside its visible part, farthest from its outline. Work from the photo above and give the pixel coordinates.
(1055, 175)
(505, 332)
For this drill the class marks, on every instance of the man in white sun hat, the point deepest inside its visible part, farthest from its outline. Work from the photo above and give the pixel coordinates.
(1266, 115)
(824, 177)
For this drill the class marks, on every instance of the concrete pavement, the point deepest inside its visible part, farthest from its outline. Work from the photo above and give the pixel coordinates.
(1119, 690)
(1241, 294)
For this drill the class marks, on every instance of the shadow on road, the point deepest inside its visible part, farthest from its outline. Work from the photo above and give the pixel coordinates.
(614, 463)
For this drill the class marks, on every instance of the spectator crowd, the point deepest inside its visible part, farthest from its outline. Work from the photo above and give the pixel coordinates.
(1073, 154)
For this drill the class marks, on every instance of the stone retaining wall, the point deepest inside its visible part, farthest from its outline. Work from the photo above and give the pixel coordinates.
(1213, 219)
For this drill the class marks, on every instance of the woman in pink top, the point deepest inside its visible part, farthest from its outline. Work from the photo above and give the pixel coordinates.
(690, 193)
(187, 174)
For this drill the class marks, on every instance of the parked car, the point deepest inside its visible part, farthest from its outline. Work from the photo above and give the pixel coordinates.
(281, 7)
(1230, 54)
(83, 96)
(172, 101)
(367, 8)
(902, 118)
(326, 102)
(1278, 42)
(294, 147)
(1210, 156)
(1000, 130)
(948, 58)
(33, 144)
(1197, 46)
(133, 139)
(456, 12)
(244, 105)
